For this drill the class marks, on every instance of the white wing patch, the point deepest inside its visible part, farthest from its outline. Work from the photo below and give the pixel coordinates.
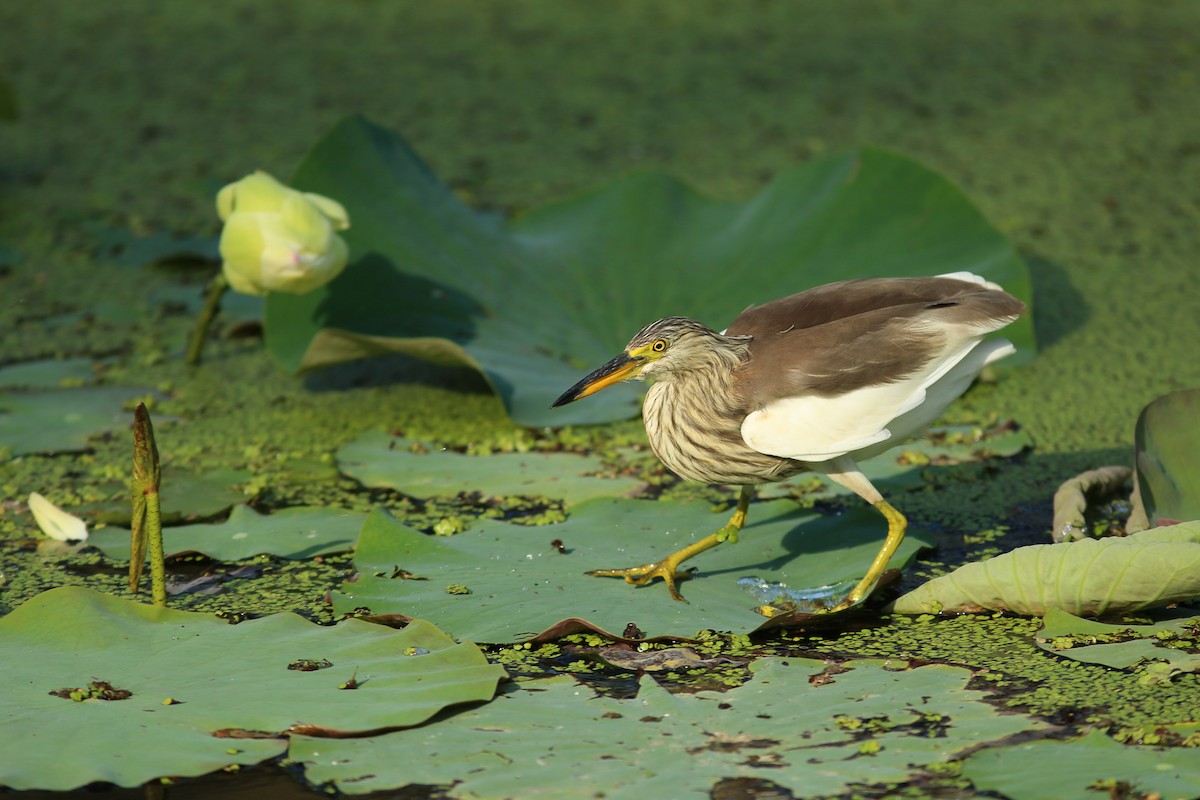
(867, 421)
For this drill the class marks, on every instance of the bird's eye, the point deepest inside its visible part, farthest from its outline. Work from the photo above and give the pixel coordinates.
(659, 345)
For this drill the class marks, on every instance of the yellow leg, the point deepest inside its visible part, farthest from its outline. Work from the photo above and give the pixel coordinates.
(896, 527)
(668, 568)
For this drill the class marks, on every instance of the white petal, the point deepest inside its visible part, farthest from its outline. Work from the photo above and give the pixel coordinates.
(56, 523)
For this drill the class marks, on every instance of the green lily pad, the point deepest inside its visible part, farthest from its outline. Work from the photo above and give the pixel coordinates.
(1084, 767)
(554, 738)
(1167, 454)
(509, 582)
(1090, 577)
(62, 420)
(1122, 646)
(379, 459)
(198, 684)
(290, 533)
(563, 287)
(49, 373)
(186, 496)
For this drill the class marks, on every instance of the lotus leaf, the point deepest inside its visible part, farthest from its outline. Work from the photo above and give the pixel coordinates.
(1122, 646)
(290, 533)
(1084, 767)
(186, 496)
(1167, 453)
(512, 583)
(61, 420)
(48, 374)
(554, 738)
(191, 676)
(562, 288)
(378, 459)
(1090, 577)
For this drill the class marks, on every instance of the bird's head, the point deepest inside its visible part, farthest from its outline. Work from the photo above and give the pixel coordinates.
(673, 344)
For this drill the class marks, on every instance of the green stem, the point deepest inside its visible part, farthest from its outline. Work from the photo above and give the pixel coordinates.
(212, 304)
(158, 565)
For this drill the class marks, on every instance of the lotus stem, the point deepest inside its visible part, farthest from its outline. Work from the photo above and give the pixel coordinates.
(146, 527)
(212, 303)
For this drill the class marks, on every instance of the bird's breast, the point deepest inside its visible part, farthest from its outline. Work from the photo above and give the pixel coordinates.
(694, 427)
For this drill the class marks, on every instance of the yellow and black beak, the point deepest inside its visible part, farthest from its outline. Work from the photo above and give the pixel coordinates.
(619, 369)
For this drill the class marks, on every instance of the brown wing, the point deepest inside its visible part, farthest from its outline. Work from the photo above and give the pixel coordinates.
(849, 335)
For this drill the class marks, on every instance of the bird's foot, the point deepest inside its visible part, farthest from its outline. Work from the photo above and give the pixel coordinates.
(667, 569)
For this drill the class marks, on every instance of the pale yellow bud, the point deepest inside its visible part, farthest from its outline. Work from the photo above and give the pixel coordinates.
(277, 239)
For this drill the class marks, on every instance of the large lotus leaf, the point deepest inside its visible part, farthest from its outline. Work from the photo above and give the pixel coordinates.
(554, 738)
(563, 287)
(1122, 646)
(379, 459)
(61, 420)
(220, 677)
(1085, 767)
(290, 533)
(520, 585)
(1091, 577)
(1167, 453)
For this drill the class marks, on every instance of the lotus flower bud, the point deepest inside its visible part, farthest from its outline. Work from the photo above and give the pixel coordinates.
(277, 239)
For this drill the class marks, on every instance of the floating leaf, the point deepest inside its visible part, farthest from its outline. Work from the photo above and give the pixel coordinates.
(562, 288)
(225, 682)
(8, 101)
(554, 738)
(1090, 577)
(290, 533)
(186, 496)
(1084, 767)
(520, 584)
(1121, 646)
(1167, 454)
(59, 421)
(50, 373)
(378, 459)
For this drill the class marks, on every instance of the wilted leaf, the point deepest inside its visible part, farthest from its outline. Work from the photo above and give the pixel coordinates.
(553, 738)
(1090, 577)
(291, 533)
(378, 459)
(1053, 770)
(220, 677)
(520, 584)
(1167, 454)
(562, 288)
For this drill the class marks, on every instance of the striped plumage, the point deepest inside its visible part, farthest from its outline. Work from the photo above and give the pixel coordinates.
(814, 381)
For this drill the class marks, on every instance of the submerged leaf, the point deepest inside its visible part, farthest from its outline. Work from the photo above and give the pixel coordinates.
(233, 698)
(1091, 577)
(1167, 453)
(562, 288)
